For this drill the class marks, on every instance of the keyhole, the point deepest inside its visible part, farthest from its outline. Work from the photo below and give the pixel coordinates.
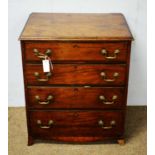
(75, 46)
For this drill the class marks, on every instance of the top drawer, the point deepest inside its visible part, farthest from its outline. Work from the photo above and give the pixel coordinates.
(66, 51)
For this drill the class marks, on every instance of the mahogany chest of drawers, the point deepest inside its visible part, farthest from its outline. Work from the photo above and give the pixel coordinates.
(83, 99)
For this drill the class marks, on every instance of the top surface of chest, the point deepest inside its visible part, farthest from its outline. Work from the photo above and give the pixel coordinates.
(77, 26)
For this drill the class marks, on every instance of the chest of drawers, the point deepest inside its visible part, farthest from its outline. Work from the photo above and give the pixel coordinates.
(83, 99)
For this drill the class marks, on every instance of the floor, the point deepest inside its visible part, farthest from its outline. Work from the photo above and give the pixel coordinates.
(136, 127)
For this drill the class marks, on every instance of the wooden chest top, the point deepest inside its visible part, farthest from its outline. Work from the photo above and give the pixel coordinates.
(76, 26)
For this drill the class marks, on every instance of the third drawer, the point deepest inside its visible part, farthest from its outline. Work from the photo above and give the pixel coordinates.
(76, 97)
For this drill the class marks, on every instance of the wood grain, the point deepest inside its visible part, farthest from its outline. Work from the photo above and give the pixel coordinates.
(77, 26)
(77, 74)
(65, 51)
(75, 123)
(75, 97)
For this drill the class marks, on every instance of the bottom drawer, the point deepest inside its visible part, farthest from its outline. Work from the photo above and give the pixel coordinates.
(76, 123)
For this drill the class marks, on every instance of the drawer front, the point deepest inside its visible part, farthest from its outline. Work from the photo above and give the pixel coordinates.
(77, 74)
(104, 52)
(77, 97)
(76, 123)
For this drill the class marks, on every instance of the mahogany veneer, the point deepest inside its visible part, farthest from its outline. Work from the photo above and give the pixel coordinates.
(83, 99)
(65, 51)
(76, 97)
(72, 73)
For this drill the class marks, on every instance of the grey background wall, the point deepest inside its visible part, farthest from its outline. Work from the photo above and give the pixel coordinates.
(134, 11)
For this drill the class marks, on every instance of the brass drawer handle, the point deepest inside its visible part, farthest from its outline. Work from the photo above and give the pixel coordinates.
(41, 55)
(102, 98)
(36, 74)
(50, 123)
(105, 53)
(101, 124)
(48, 100)
(115, 75)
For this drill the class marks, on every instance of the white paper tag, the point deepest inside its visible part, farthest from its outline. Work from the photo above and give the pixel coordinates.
(46, 65)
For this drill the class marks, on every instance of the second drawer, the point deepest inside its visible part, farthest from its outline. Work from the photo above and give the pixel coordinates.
(75, 97)
(80, 74)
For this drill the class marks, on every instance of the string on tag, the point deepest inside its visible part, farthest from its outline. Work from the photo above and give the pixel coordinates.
(48, 58)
